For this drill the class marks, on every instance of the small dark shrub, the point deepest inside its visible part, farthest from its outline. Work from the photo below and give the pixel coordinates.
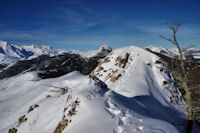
(165, 82)
(22, 119)
(33, 107)
(13, 130)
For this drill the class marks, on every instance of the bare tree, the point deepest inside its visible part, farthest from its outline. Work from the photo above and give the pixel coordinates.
(175, 28)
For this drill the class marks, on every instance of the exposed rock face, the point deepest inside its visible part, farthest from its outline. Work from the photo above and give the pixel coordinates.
(57, 65)
(22, 66)
(65, 63)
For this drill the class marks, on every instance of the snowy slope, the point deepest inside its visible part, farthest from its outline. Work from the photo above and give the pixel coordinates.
(133, 66)
(16, 100)
(9, 53)
(142, 99)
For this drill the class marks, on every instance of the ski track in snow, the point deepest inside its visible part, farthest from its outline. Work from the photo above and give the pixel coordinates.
(125, 120)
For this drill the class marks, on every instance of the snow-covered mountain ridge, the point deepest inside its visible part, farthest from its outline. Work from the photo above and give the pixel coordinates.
(173, 52)
(10, 53)
(129, 91)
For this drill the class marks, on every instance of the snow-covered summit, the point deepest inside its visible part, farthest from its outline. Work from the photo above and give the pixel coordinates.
(105, 47)
(126, 69)
(39, 50)
(13, 50)
(10, 53)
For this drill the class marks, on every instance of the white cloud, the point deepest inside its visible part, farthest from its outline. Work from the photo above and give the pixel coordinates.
(18, 35)
(154, 29)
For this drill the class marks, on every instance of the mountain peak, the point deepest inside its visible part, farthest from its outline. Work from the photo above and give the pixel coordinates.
(103, 51)
(105, 47)
(2, 43)
(3, 46)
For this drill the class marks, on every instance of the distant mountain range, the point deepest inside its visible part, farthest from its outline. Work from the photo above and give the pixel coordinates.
(10, 53)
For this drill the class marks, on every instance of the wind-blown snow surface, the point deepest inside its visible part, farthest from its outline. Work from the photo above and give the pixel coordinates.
(21, 92)
(136, 101)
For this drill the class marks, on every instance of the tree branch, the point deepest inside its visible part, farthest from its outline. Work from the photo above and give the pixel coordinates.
(168, 40)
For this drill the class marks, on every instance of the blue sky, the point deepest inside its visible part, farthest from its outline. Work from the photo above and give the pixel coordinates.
(87, 24)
